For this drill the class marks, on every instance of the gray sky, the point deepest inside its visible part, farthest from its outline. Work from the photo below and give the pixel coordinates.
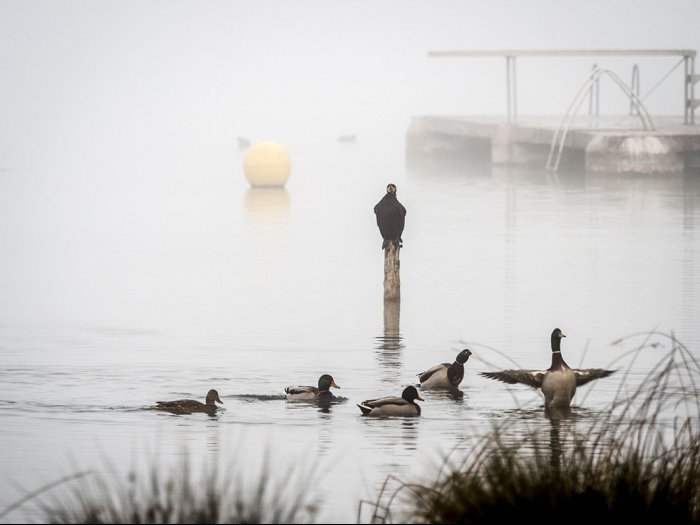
(82, 74)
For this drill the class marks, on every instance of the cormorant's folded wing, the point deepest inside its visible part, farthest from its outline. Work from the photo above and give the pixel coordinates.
(586, 375)
(531, 378)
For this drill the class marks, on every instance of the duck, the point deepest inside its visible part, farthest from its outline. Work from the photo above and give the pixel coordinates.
(188, 406)
(559, 382)
(393, 406)
(312, 393)
(391, 218)
(445, 375)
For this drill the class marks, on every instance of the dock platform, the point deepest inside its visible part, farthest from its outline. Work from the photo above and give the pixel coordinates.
(600, 144)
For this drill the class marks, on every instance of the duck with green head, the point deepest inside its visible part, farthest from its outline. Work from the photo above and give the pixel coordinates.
(393, 406)
(313, 393)
(445, 375)
(559, 382)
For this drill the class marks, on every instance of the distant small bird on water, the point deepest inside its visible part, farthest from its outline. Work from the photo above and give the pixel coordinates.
(391, 216)
(558, 383)
(187, 406)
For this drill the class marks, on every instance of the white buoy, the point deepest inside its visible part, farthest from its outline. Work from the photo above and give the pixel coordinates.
(267, 164)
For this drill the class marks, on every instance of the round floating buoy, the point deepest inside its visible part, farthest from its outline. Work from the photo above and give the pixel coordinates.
(267, 164)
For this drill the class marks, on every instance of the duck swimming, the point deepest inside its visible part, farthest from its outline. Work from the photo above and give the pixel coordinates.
(393, 406)
(187, 406)
(312, 393)
(445, 375)
(559, 382)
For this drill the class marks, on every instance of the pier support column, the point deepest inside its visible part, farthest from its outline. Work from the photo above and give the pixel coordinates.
(502, 145)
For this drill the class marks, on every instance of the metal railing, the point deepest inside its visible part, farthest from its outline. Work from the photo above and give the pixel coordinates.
(557, 146)
(688, 59)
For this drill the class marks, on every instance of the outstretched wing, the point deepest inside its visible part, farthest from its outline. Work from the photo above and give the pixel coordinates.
(587, 375)
(531, 378)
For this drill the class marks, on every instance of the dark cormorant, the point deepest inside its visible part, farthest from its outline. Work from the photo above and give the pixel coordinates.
(391, 216)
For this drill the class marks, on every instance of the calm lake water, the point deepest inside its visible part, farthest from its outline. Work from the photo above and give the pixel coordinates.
(159, 274)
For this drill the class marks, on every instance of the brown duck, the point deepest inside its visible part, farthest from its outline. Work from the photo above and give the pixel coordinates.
(188, 406)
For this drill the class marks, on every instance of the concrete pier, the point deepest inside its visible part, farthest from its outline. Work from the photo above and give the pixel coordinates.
(600, 144)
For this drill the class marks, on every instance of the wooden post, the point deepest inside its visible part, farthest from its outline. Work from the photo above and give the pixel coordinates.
(392, 280)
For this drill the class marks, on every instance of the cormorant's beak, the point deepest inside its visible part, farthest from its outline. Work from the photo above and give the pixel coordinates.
(420, 398)
(562, 334)
(219, 401)
(334, 385)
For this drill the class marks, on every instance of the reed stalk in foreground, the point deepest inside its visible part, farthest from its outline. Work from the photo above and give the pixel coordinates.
(173, 497)
(638, 462)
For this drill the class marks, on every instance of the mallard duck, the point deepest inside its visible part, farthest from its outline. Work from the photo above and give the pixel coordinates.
(391, 216)
(558, 383)
(312, 393)
(392, 405)
(187, 406)
(445, 375)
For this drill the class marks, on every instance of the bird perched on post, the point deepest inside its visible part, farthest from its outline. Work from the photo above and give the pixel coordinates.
(391, 216)
(558, 383)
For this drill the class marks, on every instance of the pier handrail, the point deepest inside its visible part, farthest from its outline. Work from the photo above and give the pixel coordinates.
(635, 86)
(563, 129)
(511, 54)
(594, 95)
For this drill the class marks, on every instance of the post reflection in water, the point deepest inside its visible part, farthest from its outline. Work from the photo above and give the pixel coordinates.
(389, 344)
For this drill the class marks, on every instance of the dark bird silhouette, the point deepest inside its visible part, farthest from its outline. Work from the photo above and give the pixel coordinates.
(558, 383)
(391, 216)
(187, 406)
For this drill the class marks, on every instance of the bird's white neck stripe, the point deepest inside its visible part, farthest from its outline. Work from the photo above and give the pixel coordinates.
(556, 352)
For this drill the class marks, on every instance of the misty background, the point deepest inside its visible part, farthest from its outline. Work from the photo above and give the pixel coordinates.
(137, 264)
(119, 122)
(85, 78)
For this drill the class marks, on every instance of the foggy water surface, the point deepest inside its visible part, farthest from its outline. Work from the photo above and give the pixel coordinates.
(136, 263)
(114, 297)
